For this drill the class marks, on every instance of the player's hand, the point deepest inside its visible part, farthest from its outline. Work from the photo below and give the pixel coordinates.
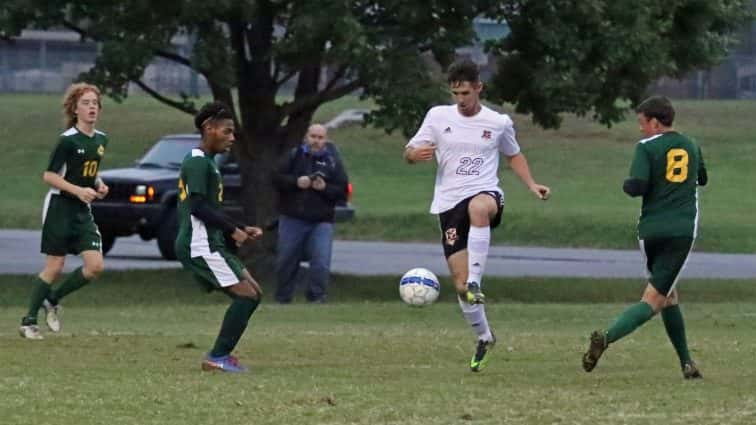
(102, 191)
(239, 236)
(254, 233)
(541, 191)
(422, 153)
(318, 184)
(304, 182)
(86, 194)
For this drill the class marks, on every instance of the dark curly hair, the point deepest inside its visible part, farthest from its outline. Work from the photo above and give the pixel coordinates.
(212, 111)
(463, 70)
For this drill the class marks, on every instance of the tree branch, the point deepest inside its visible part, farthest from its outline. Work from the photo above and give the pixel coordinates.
(319, 98)
(336, 77)
(175, 57)
(181, 106)
(286, 78)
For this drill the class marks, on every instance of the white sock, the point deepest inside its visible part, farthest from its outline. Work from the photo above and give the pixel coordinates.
(475, 314)
(478, 241)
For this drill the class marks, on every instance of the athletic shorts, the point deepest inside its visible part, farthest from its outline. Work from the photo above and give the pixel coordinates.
(455, 223)
(68, 227)
(215, 271)
(665, 259)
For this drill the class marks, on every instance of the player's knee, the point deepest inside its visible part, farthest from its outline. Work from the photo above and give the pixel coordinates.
(93, 269)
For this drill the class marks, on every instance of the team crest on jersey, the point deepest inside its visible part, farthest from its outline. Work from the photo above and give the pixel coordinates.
(486, 134)
(451, 235)
(101, 150)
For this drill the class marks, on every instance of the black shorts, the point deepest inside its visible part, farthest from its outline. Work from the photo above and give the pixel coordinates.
(455, 223)
(665, 258)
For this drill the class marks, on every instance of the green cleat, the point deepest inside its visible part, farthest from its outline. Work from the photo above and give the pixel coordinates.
(481, 356)
(474, 294)
(690, 371)
(595, 350)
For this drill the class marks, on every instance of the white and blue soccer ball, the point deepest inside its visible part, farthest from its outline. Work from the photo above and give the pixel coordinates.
(419, 287)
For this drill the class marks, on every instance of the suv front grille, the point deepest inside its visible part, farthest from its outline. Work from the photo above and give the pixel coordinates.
(119, 192)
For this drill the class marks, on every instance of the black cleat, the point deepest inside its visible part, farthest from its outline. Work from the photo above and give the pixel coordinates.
(480, 358)
(690, 371)
(595, 350)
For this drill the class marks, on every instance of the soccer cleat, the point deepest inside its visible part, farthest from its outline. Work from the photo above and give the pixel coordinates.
(474, 294)
(481, 356)
(690, 371)
(30, 332)
(226, 363)
(52, 316)
(595, 350)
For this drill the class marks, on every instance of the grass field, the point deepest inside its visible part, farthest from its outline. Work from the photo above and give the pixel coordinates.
(583, 162)
(131, 346)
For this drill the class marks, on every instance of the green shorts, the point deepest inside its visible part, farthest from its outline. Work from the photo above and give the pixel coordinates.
(68, 227)
(665, 259)
(218, 270)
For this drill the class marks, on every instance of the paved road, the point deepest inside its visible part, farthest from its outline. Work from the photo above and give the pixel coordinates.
(20, 254)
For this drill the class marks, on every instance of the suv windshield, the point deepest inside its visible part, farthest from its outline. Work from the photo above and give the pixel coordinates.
(167, 153)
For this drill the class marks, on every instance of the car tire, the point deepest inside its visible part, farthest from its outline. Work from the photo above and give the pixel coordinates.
(166, 237)
(107, 241)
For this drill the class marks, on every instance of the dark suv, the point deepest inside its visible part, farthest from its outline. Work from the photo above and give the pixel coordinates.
(142, 198)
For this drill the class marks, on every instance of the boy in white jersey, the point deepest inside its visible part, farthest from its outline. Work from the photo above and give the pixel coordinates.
(466, 138)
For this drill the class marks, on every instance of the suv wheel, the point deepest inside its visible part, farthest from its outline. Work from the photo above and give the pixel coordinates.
(166, 237)
(108, 239)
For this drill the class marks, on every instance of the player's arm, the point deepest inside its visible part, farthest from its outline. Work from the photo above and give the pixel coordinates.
(422, 146)
(640, 172)
(58, 160)
(703, 176)
(201, 208)
(519, 165)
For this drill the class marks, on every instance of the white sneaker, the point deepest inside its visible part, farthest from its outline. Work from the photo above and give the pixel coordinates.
(52, 316)
(30, 332)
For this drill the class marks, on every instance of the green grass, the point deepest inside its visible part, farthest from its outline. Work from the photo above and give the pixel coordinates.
(132, 342)
(583, 162)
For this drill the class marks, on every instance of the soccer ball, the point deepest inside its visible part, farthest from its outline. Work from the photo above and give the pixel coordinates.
(419, 287)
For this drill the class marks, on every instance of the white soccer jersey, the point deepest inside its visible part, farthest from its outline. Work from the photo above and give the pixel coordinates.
(467, 151)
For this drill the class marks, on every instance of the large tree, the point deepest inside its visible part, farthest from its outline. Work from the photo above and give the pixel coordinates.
(579, 56)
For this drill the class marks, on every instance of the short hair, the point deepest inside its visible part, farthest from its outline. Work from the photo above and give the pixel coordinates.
(658, 107)
(463, 70)
(212, 111)
(71, 99)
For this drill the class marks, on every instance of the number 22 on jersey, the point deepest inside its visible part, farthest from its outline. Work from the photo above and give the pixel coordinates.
(677, 165)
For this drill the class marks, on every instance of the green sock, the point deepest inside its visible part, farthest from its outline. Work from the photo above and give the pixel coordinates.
(73, 282)
(675, 326)
(39, 293)
(629, 320)
(234, 323)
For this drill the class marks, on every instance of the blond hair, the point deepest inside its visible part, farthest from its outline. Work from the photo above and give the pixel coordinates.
(71, 99)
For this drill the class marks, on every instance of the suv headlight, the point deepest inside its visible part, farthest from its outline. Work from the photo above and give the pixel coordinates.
(142, 194)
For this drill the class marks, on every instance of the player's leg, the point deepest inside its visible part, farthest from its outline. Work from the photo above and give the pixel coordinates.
(670, 265)
(225, 272)
(652, 301)
(291, 236)
(318, 249)
(481, 209)
(56, 224)
(42, 287)
(474, 314)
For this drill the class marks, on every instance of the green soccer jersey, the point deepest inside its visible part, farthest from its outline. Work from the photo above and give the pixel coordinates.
(77, 157)
(670, 163)
(199, 175)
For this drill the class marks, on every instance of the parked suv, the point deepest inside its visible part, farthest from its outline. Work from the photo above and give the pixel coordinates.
(142, 198)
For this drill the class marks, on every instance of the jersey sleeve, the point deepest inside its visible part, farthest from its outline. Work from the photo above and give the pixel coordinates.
(195, 176)
(507, 140)
(641, 167)
(60, 155)
(425, 134)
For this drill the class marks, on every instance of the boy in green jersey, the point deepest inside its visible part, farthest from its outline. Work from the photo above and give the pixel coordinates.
(667, 169)
(200, 244)
(68, 224)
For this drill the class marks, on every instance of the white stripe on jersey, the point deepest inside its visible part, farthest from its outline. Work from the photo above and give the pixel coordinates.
(467, 152)
(199, 246)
